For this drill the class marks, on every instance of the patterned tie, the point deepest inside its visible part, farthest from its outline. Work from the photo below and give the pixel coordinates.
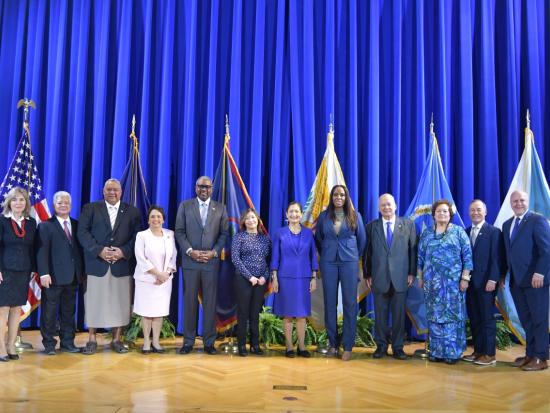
(204, 213)
(515, 229)
(473, 235)
(389, 234)
(67, 231)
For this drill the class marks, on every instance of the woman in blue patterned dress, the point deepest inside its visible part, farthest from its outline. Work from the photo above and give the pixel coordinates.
(250, 252)
(444, 265)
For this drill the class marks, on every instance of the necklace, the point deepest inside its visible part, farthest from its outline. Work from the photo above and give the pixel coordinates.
(18, 234)
(295, 232)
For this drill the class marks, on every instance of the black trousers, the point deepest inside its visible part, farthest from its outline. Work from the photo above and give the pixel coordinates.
(60, 298)
(249, 304)
(207, 283)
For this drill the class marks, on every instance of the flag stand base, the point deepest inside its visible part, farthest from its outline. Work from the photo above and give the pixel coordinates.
(21, 346)
(322, 349)
(423, 353)
(229, 347)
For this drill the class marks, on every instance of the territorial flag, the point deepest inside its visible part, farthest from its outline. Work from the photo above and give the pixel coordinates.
(329, 174)
(530, 178)
(134, 190)
(23, 173)
(230, 190)
(432, 187)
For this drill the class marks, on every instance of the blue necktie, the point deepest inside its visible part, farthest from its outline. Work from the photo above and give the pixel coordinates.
(389, 234)
(515, 229)
(204, 213)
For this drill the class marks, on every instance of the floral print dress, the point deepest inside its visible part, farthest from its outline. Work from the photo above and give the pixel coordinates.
(442, 258)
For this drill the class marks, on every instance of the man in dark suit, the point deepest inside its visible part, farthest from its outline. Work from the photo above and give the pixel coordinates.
(527, 241)
(201, 230)
(390, 264)
(488, 253)
(107, 232)
(59, 262)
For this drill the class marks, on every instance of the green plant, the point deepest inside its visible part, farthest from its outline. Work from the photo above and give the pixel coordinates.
(503, 336)
(271, 328)
(272, 331)
(134, 330)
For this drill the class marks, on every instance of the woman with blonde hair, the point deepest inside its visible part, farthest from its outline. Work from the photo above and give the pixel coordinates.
(17, 262)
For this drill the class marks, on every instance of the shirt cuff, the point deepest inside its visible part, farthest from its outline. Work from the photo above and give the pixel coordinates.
(492, 281)
(538, 275)
(45, 275)
(188, 251)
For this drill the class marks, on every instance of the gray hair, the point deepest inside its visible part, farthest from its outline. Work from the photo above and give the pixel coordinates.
(482, 203)
(61, 194)
(16, 190)
(110, 181)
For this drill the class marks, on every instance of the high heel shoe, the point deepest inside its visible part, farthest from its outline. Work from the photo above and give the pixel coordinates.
(145, 351)
(159, 350)
(4, 359)
(13, 356)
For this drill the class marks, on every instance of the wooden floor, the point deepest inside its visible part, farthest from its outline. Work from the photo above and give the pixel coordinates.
(133, 382)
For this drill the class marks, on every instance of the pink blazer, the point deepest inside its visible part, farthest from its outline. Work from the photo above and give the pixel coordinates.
(149, 250)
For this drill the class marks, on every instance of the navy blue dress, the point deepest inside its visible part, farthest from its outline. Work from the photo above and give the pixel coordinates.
(294, 258)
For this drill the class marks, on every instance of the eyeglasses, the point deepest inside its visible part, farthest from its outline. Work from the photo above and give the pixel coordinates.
(204, 186)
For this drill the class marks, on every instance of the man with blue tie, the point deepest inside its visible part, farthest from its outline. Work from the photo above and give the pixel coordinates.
(390, 266)
(527, 242)
(201, 230)
(487, 251)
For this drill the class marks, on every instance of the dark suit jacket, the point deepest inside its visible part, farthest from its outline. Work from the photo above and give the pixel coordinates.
(529, 251)
(487, 253)
(56, 255)
(191, 234)
(348, 245)
(393, 264)
(17, 254)
(94, 233)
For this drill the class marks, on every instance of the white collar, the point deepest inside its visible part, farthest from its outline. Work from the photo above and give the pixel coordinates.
(207, 202)
(115, 206)
(521, 216)
(62, 220)
(18, 220)
(478, 226)
(385, 221)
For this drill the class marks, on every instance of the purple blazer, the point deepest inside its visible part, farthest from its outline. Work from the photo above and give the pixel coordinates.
(294, 256)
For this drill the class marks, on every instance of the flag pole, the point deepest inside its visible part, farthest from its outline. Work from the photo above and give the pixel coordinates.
(425, 352)
(229, 346)
(21, 345)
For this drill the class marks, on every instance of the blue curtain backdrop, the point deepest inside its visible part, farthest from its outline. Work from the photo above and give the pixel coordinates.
(279, 69)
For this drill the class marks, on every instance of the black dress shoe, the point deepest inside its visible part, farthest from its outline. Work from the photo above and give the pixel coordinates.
(379, 353)
(303, 353)
(4, 359)
(158, 350)
(290, 354)
(243, 352)
(400, 355)
(185, 350)
(49, 351)
(13, 356)
(257, 350)
(211, 350)
(70, 348)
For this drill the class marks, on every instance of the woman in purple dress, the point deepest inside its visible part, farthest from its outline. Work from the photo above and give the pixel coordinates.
(294, 266)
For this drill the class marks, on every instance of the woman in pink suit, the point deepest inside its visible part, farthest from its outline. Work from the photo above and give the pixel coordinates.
(156, 252)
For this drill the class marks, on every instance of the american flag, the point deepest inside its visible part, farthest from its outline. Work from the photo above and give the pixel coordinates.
(24, 174)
